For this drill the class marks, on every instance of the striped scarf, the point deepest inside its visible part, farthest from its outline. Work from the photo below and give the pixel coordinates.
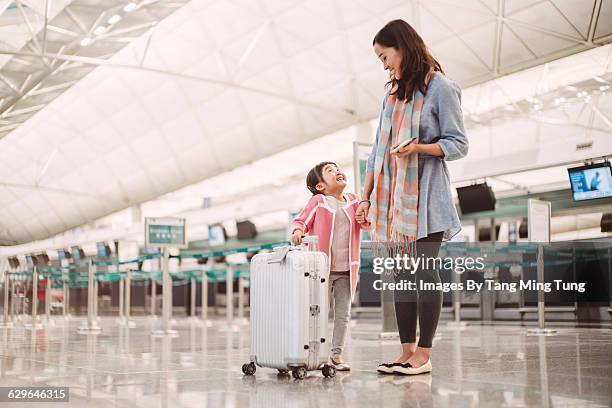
(396, 179)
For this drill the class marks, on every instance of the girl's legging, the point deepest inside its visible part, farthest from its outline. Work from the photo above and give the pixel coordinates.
(424, 304)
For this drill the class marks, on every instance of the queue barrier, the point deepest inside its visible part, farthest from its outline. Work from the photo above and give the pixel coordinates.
(76, 275)
(84, 274)
(78, 279)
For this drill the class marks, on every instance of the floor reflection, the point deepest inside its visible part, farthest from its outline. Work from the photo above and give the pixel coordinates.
(474, 366)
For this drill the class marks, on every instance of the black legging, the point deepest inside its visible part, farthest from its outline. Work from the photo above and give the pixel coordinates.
(429, 303)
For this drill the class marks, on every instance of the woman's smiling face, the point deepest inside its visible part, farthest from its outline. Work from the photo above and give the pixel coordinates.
(391, 59)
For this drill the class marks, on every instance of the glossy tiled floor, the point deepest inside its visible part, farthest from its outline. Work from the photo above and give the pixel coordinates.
(489, 366)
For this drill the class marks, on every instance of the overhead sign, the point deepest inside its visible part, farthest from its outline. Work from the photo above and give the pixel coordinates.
(538, 219)
(165, 232)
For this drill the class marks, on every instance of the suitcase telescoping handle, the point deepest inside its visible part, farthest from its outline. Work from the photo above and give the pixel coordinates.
(312, 240)
(309, 242)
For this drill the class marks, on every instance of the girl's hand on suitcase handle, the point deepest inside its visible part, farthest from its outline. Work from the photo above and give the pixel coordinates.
(296, 237)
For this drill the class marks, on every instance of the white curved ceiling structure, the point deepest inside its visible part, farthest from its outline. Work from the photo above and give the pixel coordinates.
(218, 84)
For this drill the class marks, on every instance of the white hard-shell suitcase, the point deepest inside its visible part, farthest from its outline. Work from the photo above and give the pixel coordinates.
(289, 308)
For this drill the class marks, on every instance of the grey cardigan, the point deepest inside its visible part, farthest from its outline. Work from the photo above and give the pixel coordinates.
(442, 123)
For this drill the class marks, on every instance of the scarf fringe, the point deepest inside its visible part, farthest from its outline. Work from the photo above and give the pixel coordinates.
(400, 245)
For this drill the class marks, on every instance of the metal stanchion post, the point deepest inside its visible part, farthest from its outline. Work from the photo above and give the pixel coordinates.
(91, 325)
(154, 289)
(389, 329)
(193, 303)
(610, 275)
(48, 300)
(229, 294)
(96, 299)
(574, 279)
(7, 321)
(34, 302)
(539, 213)
(541, 330)
(387, 307)
(543, 363)
(121, 300)
(240, 299)
(13, 292)
(389, 324)
(35, 323)
(128, 299)
(167, 299)
(153, 297)
(66, 308)
(540, 292)
(204, 297)
(127, 283)
(456, 305)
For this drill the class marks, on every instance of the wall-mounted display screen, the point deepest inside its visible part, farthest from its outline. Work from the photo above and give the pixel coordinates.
(591, 181)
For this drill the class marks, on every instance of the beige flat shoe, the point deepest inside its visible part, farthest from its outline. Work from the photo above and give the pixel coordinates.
(340, 366)
(407, 369)
(387, 368)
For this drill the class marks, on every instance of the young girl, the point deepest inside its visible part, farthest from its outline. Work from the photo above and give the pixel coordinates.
(330, 215)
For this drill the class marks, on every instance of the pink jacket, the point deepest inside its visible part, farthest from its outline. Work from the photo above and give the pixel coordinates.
(318, 217)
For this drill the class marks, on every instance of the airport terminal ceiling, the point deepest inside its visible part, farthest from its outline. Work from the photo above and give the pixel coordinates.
(107, 104)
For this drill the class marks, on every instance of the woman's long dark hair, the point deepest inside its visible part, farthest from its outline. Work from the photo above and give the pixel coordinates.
(417, 61)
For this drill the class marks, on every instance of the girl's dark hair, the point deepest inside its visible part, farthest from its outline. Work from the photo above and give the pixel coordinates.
(315, 176)
(416, 58)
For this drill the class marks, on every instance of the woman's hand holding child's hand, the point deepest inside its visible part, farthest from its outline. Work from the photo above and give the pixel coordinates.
(361, 215)
(360, 218)
(296, 237)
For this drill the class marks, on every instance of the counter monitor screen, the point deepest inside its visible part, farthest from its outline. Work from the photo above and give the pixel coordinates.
(216, 235)
(591, 181)
(476, 198)
(151, 251)
(77, 253)
(14, 262)
(31, 261)
(246, 230)
(103, 250)
(43, 259)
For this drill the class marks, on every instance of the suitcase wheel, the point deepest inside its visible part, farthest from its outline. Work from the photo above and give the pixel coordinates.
(248, 368)
(299, 373)
(282, 371)
(329, 371)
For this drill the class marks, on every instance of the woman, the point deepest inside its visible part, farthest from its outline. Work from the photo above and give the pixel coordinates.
(408, 188)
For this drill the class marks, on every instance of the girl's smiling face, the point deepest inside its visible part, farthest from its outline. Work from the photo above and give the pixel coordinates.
(391, 59)
(333, 179)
